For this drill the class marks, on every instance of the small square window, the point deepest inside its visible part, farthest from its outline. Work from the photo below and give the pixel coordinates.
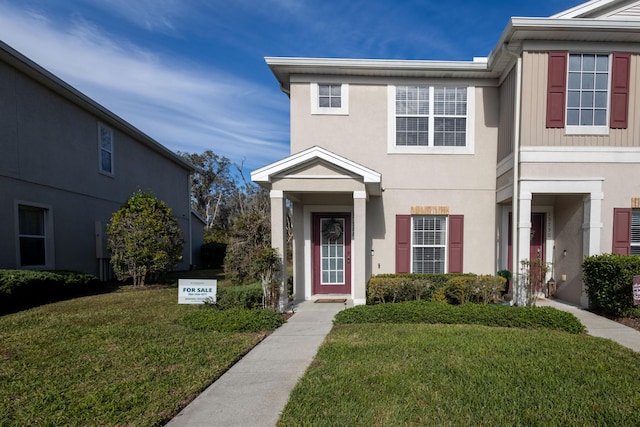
(330, 98)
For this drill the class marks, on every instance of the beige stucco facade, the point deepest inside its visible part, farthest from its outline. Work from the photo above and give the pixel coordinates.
(513, 166)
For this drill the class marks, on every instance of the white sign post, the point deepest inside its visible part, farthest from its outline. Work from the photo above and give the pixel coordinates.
(636, 290)
(196, 291)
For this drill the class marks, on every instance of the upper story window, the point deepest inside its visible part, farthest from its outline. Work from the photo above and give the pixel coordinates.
(430, 119)
(330, 98)
(105, 149)
(588, 93)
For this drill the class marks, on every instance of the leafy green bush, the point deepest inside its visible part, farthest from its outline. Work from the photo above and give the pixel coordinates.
(245, 296)
(483, 289)
(21, 289)
(233, 320)
(452, 288)
(488, 315)
(405, 287)
(609, 282)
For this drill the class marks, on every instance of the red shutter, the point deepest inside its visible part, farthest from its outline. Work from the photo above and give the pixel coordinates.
(456, 240)
(556, 89)
(403, 243)
(620, 90)
(622, 231)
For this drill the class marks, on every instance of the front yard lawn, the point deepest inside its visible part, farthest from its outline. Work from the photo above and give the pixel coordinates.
(465, 375)
(116, 359)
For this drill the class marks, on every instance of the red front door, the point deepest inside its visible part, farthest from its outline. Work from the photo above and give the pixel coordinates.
(331, 253)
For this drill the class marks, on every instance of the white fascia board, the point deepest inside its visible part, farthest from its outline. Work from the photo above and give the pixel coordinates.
(374, 64)
(265, 173)
(585, 24)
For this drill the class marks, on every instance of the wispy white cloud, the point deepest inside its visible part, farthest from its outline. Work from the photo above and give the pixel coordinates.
(183, 105)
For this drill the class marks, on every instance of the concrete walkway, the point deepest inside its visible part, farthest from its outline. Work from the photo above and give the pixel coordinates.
(599, 326)
(256, 389)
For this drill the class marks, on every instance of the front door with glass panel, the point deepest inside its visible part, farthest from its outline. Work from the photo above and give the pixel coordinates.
(331, 253)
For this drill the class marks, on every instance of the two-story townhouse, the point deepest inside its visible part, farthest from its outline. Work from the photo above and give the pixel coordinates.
(421, 166)
(66, 165)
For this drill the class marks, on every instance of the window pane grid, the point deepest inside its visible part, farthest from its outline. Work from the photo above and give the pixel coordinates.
(330, 95)
(332, 255)
(635, 231)
(431, 116)
(429, 237)
(587, 90)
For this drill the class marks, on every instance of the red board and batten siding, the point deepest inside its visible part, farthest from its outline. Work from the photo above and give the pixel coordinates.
(557, 90)
(621, 231)
(455, 244)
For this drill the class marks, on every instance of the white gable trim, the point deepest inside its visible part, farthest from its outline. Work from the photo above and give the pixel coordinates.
(589, 9)
(265, 174)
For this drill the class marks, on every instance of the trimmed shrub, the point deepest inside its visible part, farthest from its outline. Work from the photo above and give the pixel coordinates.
(609, 282)
(233, 320)
(212, 254)
(21, 289)
(245, 296)
(452, 288)
(487, 315)
(385, 288)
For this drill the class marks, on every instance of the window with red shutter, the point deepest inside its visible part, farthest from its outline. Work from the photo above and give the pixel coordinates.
(622, 231)
(403, 243)
(456, 241)
(556, 89)
(620, 70)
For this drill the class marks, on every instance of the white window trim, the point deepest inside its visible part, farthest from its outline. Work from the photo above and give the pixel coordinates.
(582, 129)
(48, 224)
(446, 244)
(392, 148)
(344, 95)
(100, 170)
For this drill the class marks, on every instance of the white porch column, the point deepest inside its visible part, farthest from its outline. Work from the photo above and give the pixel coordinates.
(359, 252)
(523, 244)
(591, 228)
(279, 240)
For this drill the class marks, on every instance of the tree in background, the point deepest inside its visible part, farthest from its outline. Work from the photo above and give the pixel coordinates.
(144, 238)
(212, 189)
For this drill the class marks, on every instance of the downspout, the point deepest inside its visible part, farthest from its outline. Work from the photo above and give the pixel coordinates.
(517, 293)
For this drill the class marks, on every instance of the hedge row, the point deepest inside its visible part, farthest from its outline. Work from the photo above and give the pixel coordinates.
(609, 282)
(233, 320)
(439, 313)
(452, 288)
(20, 289)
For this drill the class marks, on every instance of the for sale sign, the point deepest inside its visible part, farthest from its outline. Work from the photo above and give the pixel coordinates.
(196, 291)
(636, 290)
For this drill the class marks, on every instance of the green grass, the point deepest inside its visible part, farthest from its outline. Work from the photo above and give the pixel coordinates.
(465, 375)
(116, 359)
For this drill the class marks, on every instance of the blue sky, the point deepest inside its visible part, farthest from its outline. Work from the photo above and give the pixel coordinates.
(191, 73)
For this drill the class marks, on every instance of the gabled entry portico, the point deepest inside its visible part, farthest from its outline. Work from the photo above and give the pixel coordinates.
(328, 197)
